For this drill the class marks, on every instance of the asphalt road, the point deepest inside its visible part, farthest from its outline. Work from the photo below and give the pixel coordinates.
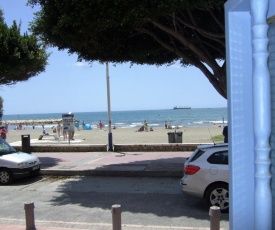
(85, 203)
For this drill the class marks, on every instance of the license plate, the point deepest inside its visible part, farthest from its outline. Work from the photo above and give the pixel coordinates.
(35, 167)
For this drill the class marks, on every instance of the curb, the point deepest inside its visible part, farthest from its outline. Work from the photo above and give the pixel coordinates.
(111, 173)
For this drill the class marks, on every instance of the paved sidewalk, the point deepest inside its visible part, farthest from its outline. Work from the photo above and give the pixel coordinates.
(151, 164)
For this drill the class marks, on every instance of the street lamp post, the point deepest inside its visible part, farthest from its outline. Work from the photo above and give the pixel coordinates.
(110, 137)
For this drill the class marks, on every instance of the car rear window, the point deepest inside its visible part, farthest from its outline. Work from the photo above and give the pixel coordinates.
(220, 158)
(196, 155)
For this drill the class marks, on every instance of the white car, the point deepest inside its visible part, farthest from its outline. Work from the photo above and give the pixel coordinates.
(14, 165)
(206, 175)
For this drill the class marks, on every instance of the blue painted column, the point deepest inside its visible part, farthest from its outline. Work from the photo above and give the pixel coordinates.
(271, 65)
(240, 112)
(249, 105)
(262, 116)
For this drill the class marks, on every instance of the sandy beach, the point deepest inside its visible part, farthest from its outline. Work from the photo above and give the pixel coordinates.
(120, 136)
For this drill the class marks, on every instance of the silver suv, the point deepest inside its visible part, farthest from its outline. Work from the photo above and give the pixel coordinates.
(206, 175)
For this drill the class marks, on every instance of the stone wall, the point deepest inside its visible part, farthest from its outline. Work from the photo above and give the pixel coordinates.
(117, 148)
(155, 147)
(64, 148)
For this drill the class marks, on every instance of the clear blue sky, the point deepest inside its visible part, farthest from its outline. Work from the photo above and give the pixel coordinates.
(67, 85)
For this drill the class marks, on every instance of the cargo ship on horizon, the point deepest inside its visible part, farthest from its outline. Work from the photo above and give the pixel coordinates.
(182, 107)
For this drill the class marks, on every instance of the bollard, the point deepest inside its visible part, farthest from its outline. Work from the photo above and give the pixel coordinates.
(29, 214)
(214, 213)
(116, 216)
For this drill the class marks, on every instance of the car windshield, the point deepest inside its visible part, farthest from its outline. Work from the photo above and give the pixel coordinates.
(5, 148)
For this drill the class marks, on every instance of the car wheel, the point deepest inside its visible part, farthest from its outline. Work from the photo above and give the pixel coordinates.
(218, 195)
(5, 176)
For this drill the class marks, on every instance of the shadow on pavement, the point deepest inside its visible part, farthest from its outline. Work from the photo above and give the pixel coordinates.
(155, 196)
(27, 180)
(47, 162)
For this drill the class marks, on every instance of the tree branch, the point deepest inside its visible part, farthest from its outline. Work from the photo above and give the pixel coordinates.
(201, 31)
(213, 80)
(195, 49)
(215, 19)
(214, 48)
(203, 42)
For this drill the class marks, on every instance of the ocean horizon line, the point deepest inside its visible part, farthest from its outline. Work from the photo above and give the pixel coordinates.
(178, 117)
(138, 110)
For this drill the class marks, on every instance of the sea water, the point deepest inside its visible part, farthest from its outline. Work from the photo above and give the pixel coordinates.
(128, 119)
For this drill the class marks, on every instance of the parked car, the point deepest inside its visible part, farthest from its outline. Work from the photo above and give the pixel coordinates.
(14, 165)
(206, 175)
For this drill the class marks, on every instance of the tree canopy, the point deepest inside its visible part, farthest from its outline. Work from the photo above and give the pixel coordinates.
(154, 32)
(21, 56)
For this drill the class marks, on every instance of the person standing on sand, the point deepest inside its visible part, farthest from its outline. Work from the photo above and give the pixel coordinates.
(72, 133)
(100, 124)
(145, 126)
(3, 132)
(65, 134)
(58, 128)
